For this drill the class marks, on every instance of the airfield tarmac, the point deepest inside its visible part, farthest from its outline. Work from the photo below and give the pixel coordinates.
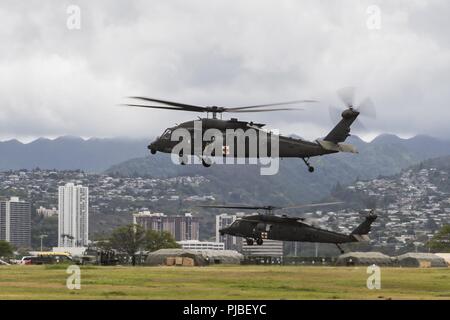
(222, 282)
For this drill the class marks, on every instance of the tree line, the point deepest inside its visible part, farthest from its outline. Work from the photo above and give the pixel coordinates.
(133, 238)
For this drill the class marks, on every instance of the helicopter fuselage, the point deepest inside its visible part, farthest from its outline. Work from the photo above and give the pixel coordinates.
(257, 147)
(286, 229)
(288, 146)
(283, 228)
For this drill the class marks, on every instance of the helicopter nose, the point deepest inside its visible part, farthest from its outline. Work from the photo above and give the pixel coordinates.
(153, 146)
(154, 143)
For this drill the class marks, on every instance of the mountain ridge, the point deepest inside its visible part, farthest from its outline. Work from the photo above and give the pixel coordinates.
(69, 153)
(100, 154)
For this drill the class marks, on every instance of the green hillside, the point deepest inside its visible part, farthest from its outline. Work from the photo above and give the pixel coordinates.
(293, 183)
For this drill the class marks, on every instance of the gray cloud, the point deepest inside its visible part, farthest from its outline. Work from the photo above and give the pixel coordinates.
(55, 81)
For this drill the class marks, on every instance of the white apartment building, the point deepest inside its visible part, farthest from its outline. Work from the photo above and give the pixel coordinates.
(73, 218)
(15, 222)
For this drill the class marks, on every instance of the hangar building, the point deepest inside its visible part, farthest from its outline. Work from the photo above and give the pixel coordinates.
(419, 259)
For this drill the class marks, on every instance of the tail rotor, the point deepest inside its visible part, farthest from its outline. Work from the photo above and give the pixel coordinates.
(365, 108)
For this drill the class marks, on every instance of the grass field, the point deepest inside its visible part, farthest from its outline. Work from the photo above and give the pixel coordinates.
(222, 282)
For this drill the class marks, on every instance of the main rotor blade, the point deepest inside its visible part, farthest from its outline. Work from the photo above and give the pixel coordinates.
(270, 105)
(239, 207)
(265, 110)
(154, 107)
(194, 108)
(312, 205)
(347, 96)
(270, 207)
(184, 106)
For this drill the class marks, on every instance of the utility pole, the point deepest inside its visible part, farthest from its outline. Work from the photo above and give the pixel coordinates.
(42, 236)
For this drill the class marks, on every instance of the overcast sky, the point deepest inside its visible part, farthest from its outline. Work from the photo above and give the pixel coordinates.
(57, 81)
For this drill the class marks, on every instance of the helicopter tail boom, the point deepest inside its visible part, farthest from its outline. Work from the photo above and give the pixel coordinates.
(361, 231)
(342, 130)
(338, 147)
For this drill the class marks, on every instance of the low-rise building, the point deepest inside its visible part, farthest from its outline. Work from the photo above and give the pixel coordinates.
(46, 213)
(269, 248)
(181, 227)
(201, 245)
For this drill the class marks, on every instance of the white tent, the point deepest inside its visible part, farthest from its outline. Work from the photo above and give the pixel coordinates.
(445, 256)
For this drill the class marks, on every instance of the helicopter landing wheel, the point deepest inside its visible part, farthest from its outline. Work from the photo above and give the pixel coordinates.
(183, 160)
(249, 241)
(206, 163)
(152, 151)
(310, 167)
(259, 241)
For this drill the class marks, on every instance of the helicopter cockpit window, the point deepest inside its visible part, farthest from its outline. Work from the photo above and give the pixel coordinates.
(166, 134)
(236, 224)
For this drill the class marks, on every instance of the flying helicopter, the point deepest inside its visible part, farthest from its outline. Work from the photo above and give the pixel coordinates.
(289, 147)
(258, 227)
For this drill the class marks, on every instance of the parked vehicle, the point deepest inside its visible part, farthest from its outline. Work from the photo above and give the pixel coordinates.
(47, 258)
(25, 260)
